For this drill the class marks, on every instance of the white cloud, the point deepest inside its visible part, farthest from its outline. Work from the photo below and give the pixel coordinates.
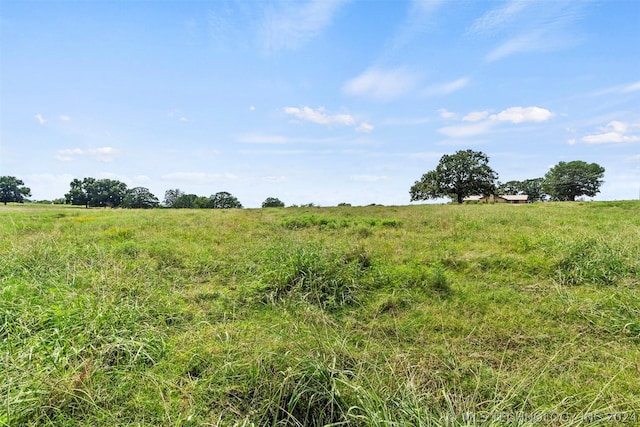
(64, 118)
(523, 114)
(382, 84)
(445, 114)
(104, 154)
(295, 23)
(447, 88)
(365, 127)
(320, 116)
(39, 118)
(476, 116)
(614, 132)
(199, 177)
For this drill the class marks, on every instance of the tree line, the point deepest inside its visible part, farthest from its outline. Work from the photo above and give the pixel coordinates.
(467, 173)
(462, 174)
(92, 192)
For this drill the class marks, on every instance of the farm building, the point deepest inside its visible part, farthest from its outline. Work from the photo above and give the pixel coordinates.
(504, 198)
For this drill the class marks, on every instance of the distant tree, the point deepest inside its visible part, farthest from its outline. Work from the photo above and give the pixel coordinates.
(533, 188)
(224, 200)
(529, 187)
(96, 192)
(185, 201)
(202, 202)
(12, 189)
(568, 180)
(272, 202)
(77, 195)
(458, 175)
(140, 198)
(170, 196)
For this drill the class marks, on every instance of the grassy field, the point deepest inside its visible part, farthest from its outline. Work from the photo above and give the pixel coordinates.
(360, 316)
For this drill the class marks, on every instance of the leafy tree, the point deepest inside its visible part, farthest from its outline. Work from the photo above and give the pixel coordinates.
(96, 192)
(170, 196)
(202, 202)
(568, 180)
(224, 200)
(530, 187)
(272, 202)
(12, 189)
(185, 201)
(140, 198)
(533, 188)
(462, 174)
(77, 194)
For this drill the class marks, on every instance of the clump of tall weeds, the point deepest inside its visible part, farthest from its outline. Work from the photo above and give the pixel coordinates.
(326, 276)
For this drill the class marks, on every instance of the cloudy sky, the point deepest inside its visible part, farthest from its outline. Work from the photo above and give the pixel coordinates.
(317, 101)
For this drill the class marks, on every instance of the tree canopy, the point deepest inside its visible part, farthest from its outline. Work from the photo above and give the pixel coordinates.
(530, 187)
(272, 202)
(458, 175)
(139, 198)
(224, 200)
(12, 189)
(568, 180)
(96, 192)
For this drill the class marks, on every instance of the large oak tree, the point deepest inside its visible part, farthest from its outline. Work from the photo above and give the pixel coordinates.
(458, 175)
(568, 180)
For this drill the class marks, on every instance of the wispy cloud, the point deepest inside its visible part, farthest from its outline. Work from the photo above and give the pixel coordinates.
(320, 116)
(447, 88)
(178, 115)
(40, 119)
(625, 88)
(198, 177)
(496, 19)
(104, 154)
(289, 25)
(382, 84)
(529, 26)
(614, 132)
(417, 22)
(64, 117)
(475, 116)
(365, 127)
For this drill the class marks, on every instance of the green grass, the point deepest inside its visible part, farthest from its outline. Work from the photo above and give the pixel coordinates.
(361, 316)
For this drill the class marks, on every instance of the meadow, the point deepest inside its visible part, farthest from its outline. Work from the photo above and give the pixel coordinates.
(424, 315)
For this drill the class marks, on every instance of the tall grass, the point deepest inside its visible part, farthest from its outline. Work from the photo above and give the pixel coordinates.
(376, 316)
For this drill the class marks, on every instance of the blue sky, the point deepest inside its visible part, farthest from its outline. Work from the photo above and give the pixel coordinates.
(320, 101)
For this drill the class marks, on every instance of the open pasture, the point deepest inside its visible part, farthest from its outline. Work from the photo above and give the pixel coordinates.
(363, 316)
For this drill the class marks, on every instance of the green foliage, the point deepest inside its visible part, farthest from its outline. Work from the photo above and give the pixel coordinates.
(140, 198)
(458, 175)
(530, 187)
(568, 180)
(12, 189)
(96, 192)
(272, 202)
(224, 200)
